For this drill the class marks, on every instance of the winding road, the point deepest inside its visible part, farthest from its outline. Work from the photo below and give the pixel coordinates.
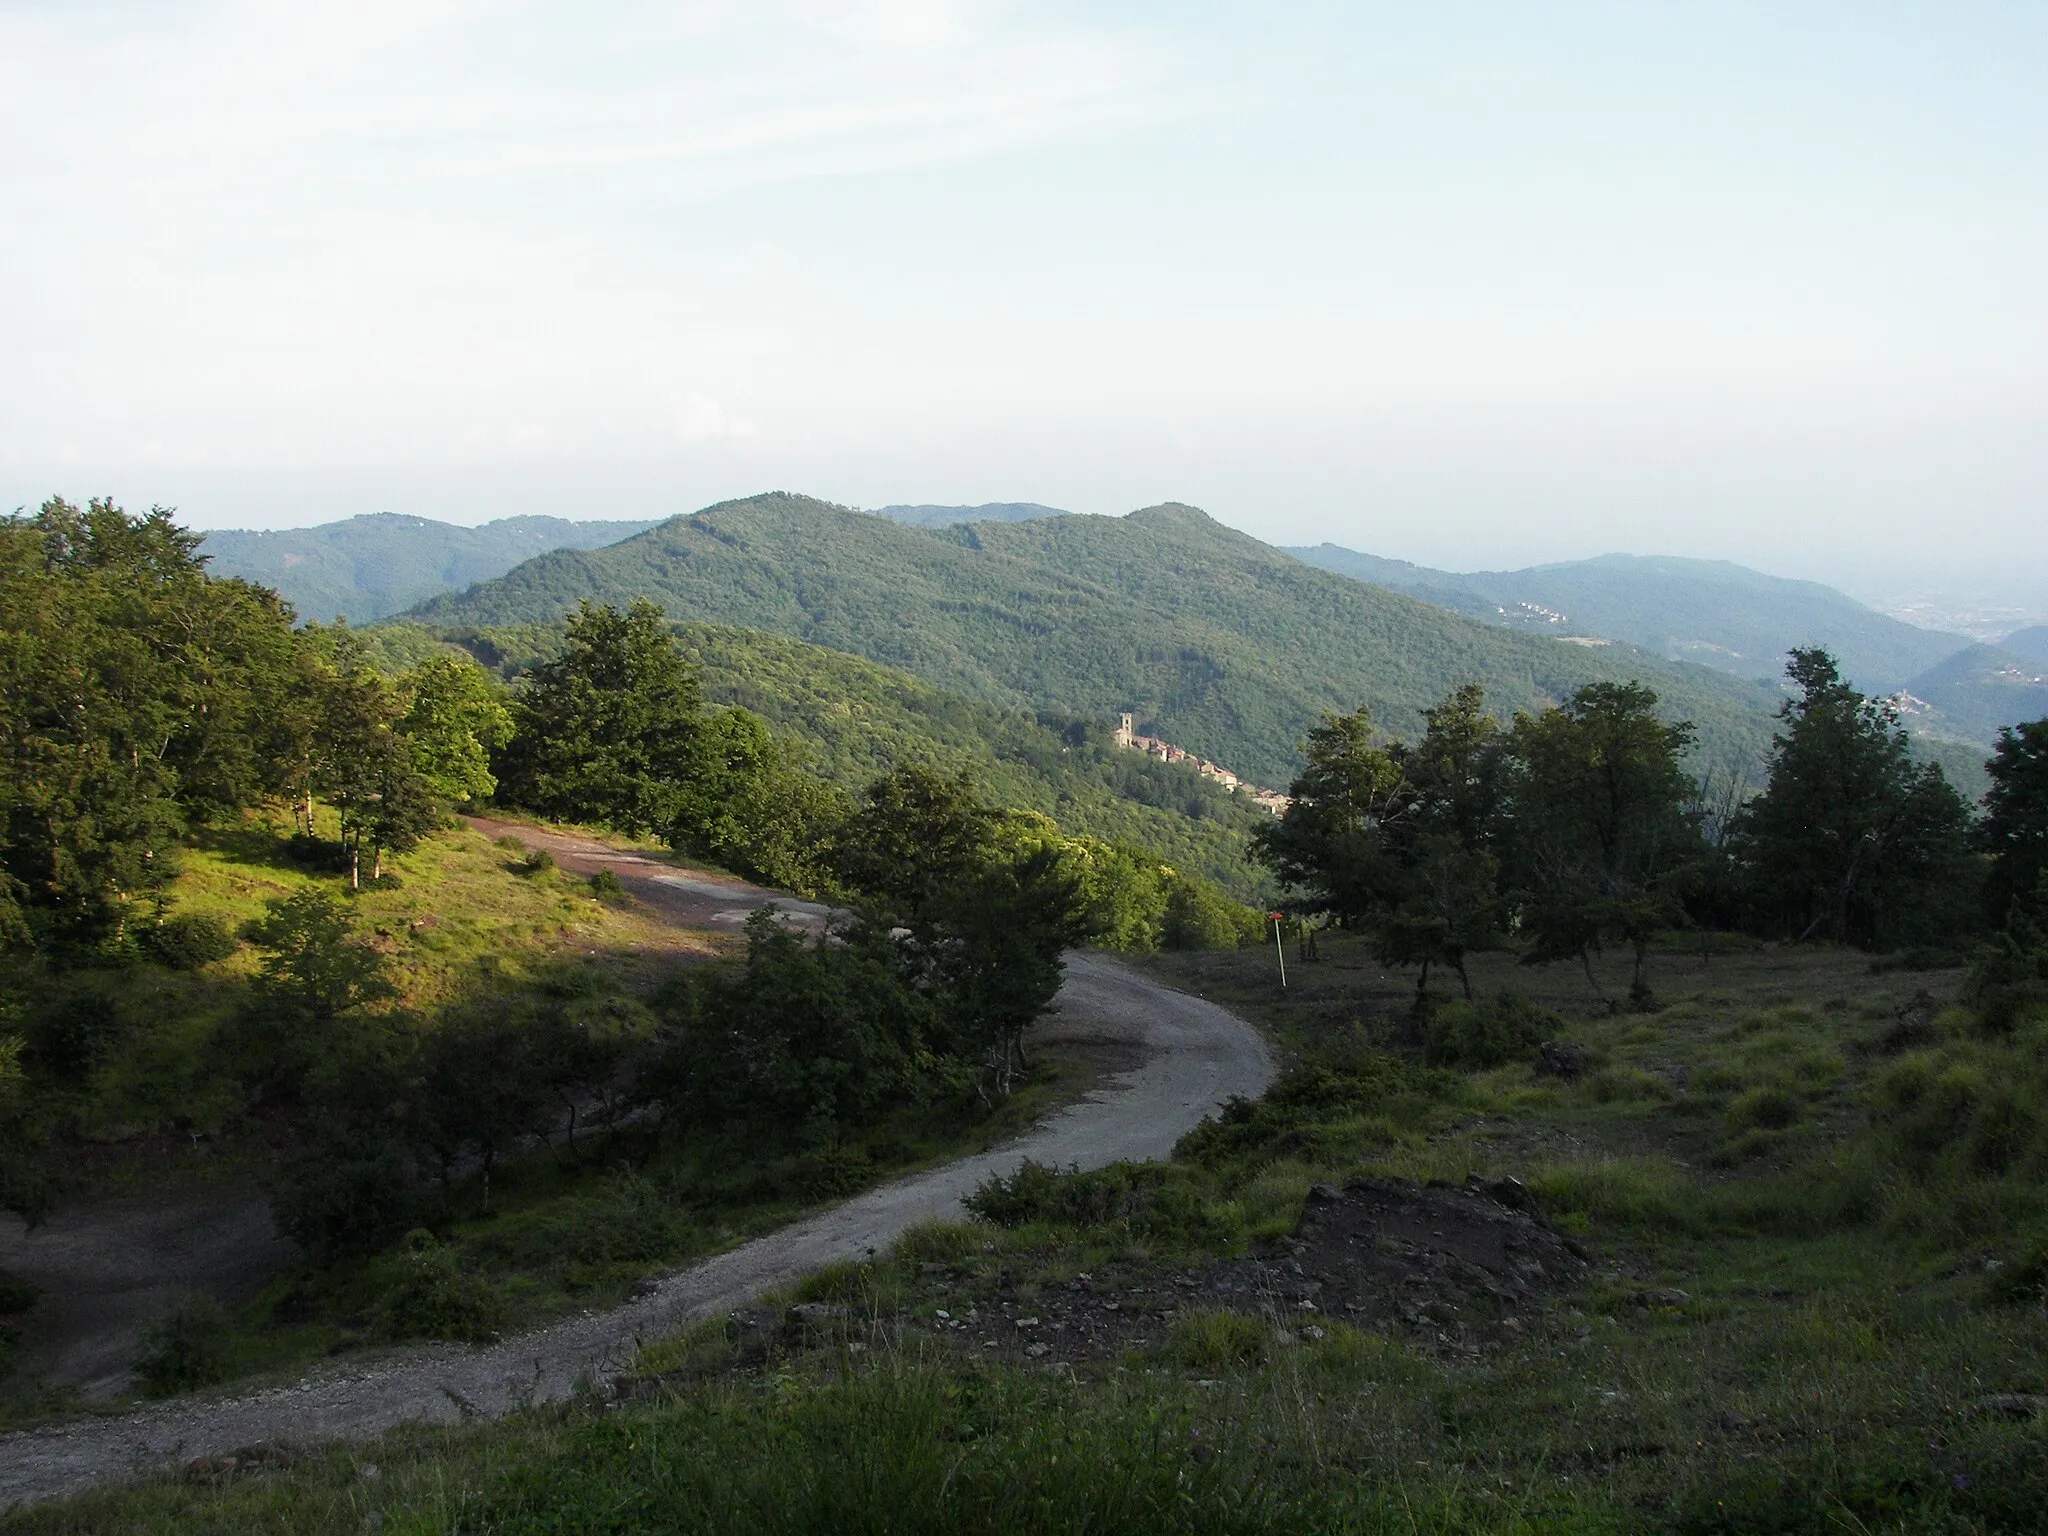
(1191, 1055)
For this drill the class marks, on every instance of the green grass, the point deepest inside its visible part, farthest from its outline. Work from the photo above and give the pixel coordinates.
(1787, 1334)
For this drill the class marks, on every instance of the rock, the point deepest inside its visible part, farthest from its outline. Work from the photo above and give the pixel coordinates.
(1669, 1297)
(1508, 1191)
(2013, 1405)
(815, 1317)
(1732, 1421)
(1038, 1351)
(1555, 1059)
(1324, 1194)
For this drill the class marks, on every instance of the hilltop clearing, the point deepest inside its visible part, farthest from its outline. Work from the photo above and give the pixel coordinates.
(1217, 642)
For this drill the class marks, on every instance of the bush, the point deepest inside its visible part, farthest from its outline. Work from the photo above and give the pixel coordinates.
(348, 1195)
(190, 1348)
(1460, 1034)
(539, 862)
(1768, 1108)
(1151, 1199)
(1320, 1113)
(433, 1299)
(608, 888)
(1199, 916)
(187, 942)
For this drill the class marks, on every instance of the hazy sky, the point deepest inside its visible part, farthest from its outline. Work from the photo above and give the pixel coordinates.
(1468, 284)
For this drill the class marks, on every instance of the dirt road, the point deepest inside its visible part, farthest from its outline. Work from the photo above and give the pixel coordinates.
(1193, 1056)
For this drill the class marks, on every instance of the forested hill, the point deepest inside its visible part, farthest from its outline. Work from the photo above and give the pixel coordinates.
(363, 568)
(1713, 612)
(857, 720)
(1220, 643)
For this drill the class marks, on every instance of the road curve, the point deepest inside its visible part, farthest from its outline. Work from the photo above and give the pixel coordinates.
(1195, 1055)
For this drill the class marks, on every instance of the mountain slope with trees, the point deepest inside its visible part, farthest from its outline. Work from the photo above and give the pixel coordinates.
(362, 568)
(1219, 643)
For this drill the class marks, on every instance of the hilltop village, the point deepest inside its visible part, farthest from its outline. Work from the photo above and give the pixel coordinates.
(1128, 738)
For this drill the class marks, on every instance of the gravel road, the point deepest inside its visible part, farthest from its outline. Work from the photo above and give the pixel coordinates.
(1194, 1055)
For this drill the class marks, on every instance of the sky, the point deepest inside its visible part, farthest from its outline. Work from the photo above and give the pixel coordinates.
(1472, 285)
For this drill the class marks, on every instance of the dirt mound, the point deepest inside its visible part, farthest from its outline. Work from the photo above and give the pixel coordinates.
(1448, 1262)
(1446, 1267)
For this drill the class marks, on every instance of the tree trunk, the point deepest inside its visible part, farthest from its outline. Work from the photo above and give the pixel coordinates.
(355, 865)
(1464, 979)
(1586, 960)
(376, 861)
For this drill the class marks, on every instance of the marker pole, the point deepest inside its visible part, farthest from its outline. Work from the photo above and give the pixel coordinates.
(1279, 949)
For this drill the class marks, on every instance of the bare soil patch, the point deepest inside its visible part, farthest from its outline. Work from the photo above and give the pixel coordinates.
(1443, 1267)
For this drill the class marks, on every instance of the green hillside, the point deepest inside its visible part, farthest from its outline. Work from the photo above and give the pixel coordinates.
(1219, 643)
(363, 568)
(1712, 612)
(1972, 694)
(857, 720)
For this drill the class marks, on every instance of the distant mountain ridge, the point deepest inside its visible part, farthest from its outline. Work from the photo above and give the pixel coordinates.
(363, 568)
(1216, 641)
(1712, 612)
(2030, 644)
(988, 512)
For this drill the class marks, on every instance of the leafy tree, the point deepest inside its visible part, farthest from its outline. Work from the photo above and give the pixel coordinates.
(609, 730)
(455, 718)
(482, 1087)
(809, 1038)
(918, 831)
(1399, 838)
(994, 941)
(366, 768)
(1336, 844)
(136, 694)
(1850, 840)
(1600, 834)
(28, 1185)
(2015, 825)
(316, 968)
(749, 806)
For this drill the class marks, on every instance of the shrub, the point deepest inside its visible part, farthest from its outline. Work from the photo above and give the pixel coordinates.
(1318, 1113)
(350, 1194)
(608, 888)
(1199, 916)
(1468, 1035)
(1770, 1108)
(190, 1348)
(188, 941)
(70, 1037)
(433, 1299)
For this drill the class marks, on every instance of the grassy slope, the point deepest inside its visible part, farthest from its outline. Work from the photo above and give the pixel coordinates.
(1225, 645)
(1822, 1371)
(856, 719)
